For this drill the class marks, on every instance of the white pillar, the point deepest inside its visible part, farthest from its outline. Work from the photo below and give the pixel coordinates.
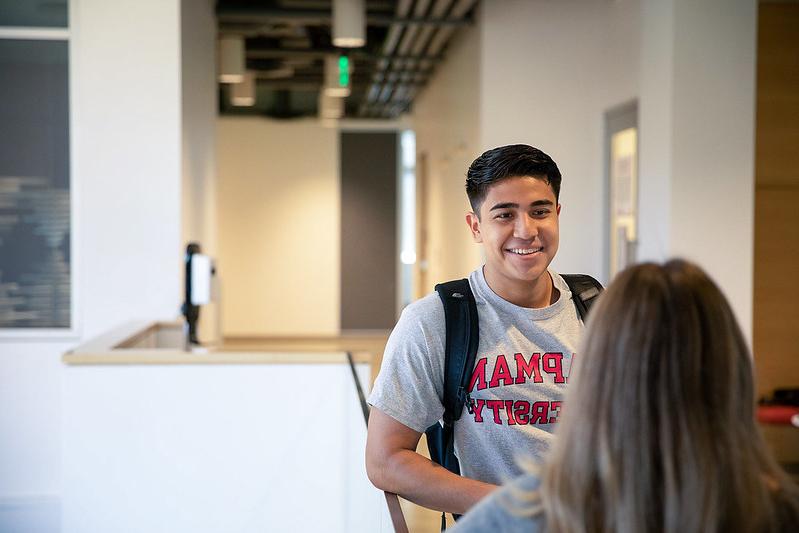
(697, 139)
(126, 66)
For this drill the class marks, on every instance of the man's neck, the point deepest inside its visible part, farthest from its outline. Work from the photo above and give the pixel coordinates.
(534, 294)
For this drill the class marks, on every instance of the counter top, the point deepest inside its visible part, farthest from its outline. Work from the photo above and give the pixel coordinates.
(161, 343)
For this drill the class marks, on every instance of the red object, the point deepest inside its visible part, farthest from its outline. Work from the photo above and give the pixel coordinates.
(777, 414)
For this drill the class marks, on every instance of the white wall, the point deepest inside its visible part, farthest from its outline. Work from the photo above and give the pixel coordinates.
(697, 139)
(30, 425)
(655, 129)
(534, 72)
(446, 119)
(547, 72)
(198, 161)
(279, 220)
(127, 160)
(714, 123)
(198, 114)
(550, 70)
(126, 149)
(211, 449)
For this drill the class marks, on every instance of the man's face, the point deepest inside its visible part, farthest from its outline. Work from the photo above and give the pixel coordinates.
(518, 226)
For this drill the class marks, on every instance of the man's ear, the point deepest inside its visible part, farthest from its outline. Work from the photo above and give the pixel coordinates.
(558, 210)
(474, 226)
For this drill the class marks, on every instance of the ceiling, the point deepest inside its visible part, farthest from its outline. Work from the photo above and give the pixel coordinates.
(287, 41)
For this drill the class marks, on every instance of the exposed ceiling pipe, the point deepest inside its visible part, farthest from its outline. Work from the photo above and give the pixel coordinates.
(282, 38)
(445, 32)
(397, 65)
(308, 84)
(320, 53)
(439, 10)
(232, 22)
(419, 11)
(443, 35)
(276, 73)
(394, 33)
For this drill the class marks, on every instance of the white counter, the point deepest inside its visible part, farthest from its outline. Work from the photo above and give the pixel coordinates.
(241, 445)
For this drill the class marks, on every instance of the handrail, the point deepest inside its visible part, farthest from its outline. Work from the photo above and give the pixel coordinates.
(361, 396)
(392, 500)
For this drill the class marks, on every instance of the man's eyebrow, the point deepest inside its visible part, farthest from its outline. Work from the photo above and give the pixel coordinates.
(505, 205)
(511, 205)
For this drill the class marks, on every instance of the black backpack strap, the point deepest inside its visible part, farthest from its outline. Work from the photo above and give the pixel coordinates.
(462, 334)
(584, 289)
(460, 350)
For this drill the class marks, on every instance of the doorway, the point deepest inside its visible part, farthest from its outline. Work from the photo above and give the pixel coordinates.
(369, 234)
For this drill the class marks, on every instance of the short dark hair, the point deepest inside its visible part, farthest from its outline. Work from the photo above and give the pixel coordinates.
(511, 161)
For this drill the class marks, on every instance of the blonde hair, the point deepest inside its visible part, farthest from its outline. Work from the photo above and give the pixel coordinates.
(658, 431)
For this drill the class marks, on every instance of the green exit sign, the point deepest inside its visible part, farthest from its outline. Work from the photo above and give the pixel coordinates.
(343, 71)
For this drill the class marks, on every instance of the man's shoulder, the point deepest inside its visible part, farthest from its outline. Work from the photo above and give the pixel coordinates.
(421, 323)
(426, 315)
(428, 308)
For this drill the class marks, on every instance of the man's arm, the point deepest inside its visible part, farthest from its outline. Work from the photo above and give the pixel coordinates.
(393, 465)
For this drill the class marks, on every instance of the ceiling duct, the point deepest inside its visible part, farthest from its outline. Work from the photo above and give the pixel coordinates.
(288, 42)
(440, 36)
(394, 33)
(399, 65)
(283, 72)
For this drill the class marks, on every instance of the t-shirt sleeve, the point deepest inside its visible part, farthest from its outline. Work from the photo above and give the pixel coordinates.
(513, 508)
(409, 386)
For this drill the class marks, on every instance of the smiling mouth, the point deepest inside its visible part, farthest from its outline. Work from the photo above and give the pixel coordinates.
(524, 251)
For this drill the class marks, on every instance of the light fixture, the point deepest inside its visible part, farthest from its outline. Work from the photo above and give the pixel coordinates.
(349, 23)
(231, 59)
(337, 76)
(243, 94)
(330, 107)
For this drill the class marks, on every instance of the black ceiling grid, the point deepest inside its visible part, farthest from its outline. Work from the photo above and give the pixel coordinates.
(286, 42)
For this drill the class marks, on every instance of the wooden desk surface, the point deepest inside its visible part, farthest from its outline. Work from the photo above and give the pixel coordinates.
(143, 343)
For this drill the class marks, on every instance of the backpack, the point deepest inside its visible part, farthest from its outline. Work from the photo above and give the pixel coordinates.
(460, 350)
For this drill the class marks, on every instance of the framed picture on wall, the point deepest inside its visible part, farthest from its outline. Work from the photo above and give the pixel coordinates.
(621, 141)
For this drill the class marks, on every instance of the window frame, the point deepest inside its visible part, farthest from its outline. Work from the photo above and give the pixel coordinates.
(71, 332)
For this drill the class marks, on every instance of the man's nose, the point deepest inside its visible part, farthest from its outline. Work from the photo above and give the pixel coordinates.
(525, 228)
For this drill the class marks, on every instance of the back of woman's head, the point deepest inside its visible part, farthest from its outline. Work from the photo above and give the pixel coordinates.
(658, 430)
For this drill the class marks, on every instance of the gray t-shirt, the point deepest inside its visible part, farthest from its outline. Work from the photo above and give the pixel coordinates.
(521, 369)
(513, 508)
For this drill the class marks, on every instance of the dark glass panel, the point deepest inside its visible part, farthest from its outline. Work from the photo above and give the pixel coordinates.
(35, 287)
(34, 13)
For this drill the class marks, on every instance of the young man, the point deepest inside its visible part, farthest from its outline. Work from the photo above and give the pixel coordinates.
(529, 330)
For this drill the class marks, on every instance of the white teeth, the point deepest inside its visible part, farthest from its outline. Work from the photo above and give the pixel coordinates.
(524, 251)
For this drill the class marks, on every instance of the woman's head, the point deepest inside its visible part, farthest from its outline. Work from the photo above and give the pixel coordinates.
(658, 429)
(664, 358)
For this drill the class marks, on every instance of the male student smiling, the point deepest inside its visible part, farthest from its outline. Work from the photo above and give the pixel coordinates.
(529, 330)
